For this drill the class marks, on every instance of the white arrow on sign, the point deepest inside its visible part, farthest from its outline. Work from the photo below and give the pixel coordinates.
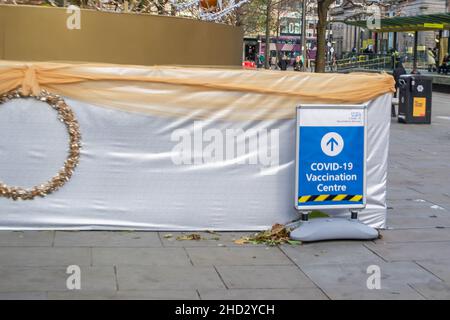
(332, 144)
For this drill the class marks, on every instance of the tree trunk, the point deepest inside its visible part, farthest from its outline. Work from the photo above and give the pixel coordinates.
(303, 34)
(277, 39)
(322, 10)
(267, 52)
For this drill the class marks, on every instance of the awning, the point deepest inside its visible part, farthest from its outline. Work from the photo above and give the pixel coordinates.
(415, 23)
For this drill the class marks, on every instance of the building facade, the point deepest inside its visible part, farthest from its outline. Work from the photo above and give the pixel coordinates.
(347, 38)
(287, 40)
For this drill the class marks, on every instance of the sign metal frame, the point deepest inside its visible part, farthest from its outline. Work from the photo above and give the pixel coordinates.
(297, 146)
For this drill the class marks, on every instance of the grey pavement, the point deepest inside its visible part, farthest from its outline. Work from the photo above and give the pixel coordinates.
(413, 255)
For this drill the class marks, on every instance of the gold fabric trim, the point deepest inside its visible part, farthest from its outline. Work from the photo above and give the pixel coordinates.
(66, 115)
(197, 92)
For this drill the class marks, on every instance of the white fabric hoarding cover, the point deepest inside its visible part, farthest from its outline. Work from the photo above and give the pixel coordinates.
(149, 172)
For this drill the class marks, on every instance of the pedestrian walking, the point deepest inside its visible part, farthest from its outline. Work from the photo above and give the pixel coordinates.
(394, 57)
(261, 60)
(431, 60)
(298, 63)
(398, 71)
(283, 63)
(445, 66)
(273, 62)
(334, 63)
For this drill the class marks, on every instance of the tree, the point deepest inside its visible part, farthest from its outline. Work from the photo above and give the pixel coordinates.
(322, 12)
(267, 51)
(260, 16)
(323, 7)
(270, 8)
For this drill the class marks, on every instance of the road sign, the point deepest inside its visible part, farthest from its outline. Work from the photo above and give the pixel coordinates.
(330, 157)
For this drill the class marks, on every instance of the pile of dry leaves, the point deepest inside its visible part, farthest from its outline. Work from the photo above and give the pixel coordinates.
(278, 234)
(194, 236)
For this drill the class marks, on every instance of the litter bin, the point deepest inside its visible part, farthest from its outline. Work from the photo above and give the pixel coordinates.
(414, 105)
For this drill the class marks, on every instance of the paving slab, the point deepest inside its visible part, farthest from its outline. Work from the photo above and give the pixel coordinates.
(431, 182)
(440, 203)
(417, 203)
(355, 275)
(264, 294)
(418, 212)
(26, 238)
(44, 256)
(23, 295)
(140, 256)
(399, 292)
(433, 290)
(436, 198)
(330, 252)
(237, 256)
(426, 220)
(403, 193)
(38, 279)
(124, 295)
(264, 277)
(439, 267)
(404, 178)
(148, 278)
(411, 251)
(107, 239)
(416, 235)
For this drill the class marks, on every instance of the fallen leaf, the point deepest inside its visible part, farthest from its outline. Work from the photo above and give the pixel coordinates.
(241, 241)
(192, 236)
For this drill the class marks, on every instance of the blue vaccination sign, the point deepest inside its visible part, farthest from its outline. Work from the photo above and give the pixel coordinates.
(330, 154)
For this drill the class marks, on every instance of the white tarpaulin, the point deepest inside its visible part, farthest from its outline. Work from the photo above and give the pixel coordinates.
(153, 171)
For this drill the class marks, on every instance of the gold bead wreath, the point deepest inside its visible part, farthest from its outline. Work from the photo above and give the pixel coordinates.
(65, 115)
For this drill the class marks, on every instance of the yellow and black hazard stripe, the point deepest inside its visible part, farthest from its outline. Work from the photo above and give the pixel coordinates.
(330, 197)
